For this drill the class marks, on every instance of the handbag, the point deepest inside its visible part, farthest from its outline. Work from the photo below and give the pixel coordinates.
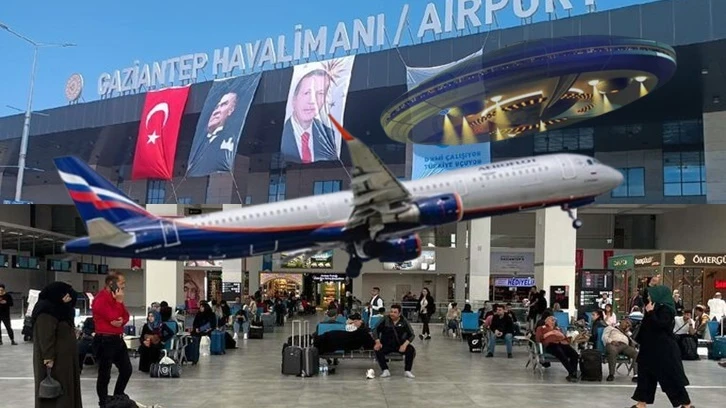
(165, 368)
(49, 388)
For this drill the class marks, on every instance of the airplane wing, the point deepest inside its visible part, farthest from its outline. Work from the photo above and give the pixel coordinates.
(318, 248)
(378, 195)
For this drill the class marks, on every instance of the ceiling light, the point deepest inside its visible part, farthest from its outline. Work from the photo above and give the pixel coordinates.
(497, 98)
(577, 90)
(444, 112)
(716, 99)
(641, 78)
(704, 71)
(594, 82)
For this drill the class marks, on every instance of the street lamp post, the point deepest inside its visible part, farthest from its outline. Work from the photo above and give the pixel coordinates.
(29, 109)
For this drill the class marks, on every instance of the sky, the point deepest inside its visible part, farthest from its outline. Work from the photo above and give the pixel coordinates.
(112, 36)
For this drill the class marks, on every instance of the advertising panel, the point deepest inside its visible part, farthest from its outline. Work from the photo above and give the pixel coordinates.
(322, 260)
(425, 262)
(512, 263)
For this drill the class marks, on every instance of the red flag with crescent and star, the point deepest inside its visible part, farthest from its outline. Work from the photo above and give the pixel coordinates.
(158, 134)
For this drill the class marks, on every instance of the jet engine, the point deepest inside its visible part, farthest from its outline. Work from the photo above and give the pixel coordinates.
(435, 210)
(393, 250)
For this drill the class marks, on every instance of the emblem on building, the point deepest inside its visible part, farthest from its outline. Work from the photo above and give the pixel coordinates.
(679, 260)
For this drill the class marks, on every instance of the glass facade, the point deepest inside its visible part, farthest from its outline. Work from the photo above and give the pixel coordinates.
(565, 140)
(156, 192)
(684, 174)
(327, 186)
(633, 183)
(276, 191)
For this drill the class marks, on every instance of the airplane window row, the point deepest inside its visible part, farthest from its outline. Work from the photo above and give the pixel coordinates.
(289, 210)
(513, 173)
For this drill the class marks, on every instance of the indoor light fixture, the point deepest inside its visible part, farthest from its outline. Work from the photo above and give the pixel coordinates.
(641, 78)
(594, 82)
(497, 98)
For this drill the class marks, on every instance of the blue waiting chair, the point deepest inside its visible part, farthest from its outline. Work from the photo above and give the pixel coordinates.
(341, 319)
(375, 320)
(563, 320)
(469, 323)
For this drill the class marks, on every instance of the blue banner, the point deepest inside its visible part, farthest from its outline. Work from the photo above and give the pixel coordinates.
(433, 159)
(220, 125)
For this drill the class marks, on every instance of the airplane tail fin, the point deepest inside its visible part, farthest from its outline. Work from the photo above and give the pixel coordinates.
(101, 205)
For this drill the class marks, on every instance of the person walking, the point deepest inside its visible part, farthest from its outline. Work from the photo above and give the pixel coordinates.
(54, 345)
(6, 302)
(110, 316)
(426, 309)
(659, 357)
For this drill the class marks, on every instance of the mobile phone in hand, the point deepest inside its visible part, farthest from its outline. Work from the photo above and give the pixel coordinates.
(114, 287)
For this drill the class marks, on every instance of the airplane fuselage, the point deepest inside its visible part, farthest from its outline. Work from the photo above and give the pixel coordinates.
(485, 190)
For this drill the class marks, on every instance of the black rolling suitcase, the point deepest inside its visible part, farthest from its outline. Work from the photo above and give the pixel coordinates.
(257, 329)
(191, 351)
(590, 365)
(310, 356)
(292, 356)
(476, 345)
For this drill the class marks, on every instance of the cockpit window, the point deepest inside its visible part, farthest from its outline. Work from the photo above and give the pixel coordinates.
(589, 161)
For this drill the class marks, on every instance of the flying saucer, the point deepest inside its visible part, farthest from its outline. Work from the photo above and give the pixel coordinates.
(530, 87)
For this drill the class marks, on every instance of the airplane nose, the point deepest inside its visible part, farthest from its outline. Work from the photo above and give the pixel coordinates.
(614, 177)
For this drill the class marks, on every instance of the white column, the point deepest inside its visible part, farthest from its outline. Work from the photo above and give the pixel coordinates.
(714, 128)
(164, 280)
(554, 253)
(254, 266)
(480, 242)
(233, 269)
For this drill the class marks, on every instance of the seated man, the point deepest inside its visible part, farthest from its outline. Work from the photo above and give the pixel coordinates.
(394, 335)
(556, 343)
(356, 336)
(502, 326)
(617, 341)
(701, 322)
(453, 316)
(684, 324)
(330, 318)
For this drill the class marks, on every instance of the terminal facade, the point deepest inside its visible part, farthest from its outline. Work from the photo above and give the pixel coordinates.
(669, 147)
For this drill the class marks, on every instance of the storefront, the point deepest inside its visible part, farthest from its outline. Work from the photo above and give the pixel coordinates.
(512, 290)
(512, 276)
(321, 288)
(623, 271)
(696, 276)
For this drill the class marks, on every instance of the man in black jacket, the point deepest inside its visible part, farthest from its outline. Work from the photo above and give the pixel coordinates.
(502, 327)
(6, 302)
(394, 335)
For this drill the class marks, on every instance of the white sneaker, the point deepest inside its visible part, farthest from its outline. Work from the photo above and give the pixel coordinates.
(370, 374)
(235, 337)
(244, 336)
(385, 374)
(408, 374)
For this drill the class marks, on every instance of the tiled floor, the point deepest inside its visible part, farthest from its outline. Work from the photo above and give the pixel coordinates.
(447, 375)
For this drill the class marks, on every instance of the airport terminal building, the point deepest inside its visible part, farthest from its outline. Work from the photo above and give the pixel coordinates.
(670, 147)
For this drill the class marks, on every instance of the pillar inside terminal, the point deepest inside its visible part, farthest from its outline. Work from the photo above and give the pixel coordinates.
(554, 254)
(233, 269)
(480, 239)
(164, 280)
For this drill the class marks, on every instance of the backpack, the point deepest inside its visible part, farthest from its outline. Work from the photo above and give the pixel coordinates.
(689, 347)
(590, 365)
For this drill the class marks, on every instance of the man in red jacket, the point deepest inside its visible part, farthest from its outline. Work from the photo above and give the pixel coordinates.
(110, 316)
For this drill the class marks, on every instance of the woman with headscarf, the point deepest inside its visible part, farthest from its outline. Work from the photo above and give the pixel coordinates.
(54, 344)
(659, 358)
(205, 321)
(151, 342)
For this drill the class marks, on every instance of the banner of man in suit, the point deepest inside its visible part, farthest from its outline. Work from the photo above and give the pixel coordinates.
(433, 159)
(220, 125)
(316, 90)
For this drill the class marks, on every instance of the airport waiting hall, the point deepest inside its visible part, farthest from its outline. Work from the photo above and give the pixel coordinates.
(447, 374)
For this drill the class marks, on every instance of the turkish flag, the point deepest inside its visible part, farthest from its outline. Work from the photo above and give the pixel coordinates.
(158, 134)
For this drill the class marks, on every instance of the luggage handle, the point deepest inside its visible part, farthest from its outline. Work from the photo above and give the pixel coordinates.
(306, 326)
(299, 333)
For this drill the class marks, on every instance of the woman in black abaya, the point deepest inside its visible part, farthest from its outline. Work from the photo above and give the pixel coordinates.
(54, 344)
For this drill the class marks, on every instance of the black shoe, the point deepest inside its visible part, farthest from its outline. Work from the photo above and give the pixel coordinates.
(635, 379)
(420, 336)
(610, 378)
(12, 342)
(509, 355)
(571, 379)
(489, 355)
(428, 337)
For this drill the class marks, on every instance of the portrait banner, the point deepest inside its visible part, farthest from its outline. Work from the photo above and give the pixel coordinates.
(220, 125)
(317, 89)
(429, 160)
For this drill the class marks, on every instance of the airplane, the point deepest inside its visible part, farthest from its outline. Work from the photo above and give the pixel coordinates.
(377, 219)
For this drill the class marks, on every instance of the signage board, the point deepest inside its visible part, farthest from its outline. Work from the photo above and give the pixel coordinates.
(720, 284)
(379, 30)
(516, 263)
(646, 260)
(514, 282)
(328, 277)
(621, 263)
(425, 262)
(322, 260)
(561, 295)
(695, 259)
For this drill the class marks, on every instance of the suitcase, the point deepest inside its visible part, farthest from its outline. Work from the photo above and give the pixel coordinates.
(310, 356)
(476, 345)
(217, 342)
(130, 329)
(590, 365)
(191, 351)
(257, 329)
(292, 356)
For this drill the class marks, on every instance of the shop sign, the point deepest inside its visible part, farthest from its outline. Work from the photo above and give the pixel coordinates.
(327, 277)
(514, 282)
(621, 262)
(647, 260)
(720, 284)
(695, 259)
